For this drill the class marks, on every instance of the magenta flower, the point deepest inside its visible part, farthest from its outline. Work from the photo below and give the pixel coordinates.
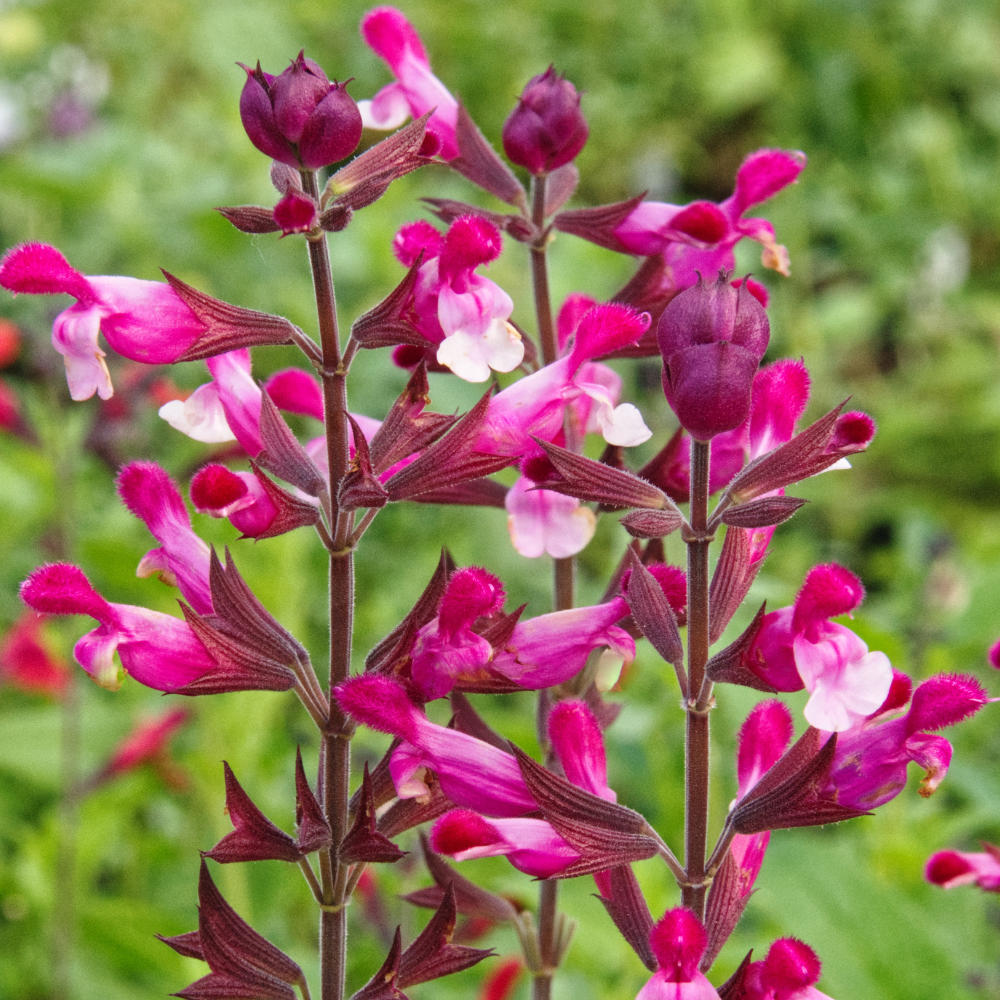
(572, 388)
(26, 662)
(578, 744)
(461, 314)
(446, 649)
(156, 649)
(699, 238)
(141, 320)
(678, 941)
(763, 738)
(537, 653)
(472, 773)
(227, 407)
(416, 90)
(183, 558)
(798, 647)
(543, 522)
(869, 767)
(786, 973)
(530, 845)
(552, 648)
(949, 869)
(148, 741)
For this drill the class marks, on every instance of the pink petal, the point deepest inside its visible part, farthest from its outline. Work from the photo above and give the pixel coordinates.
(37, 268)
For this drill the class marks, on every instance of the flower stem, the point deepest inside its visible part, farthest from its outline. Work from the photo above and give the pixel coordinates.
(337, 757)
(564, 571)
(696, 744)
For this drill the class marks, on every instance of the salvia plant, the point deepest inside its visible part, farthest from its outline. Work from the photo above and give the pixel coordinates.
(550, 409)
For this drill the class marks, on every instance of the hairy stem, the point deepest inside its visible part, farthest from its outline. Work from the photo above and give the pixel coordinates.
(337, 756)
(564, 571)
(696, 745)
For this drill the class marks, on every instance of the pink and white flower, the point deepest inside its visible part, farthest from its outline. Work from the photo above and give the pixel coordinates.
(141, 320)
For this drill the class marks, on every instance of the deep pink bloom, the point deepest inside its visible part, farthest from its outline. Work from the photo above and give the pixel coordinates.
(787, 973)
(446, 649)
(530, 845)
(572, 387)
(25, 661)
(552, 648)
(712, 339)
(472, 773)
(463, 316)
(141, 320)
(539, 652)
(156, 649)
(949, 869)
(543, 522)
(699, 238)
(299, 117)
(147, 741)
(994, 655)
(416, 90)
(869, 767)
(678, 941)
(578, 744)
(798, 647)
(183, 558)
(226, 407)
(764, 737)
(239, 496)
(547, 129)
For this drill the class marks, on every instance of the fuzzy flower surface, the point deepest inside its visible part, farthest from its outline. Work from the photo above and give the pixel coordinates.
(141, 320)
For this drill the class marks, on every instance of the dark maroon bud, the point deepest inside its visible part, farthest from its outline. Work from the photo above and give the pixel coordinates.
(547, 128)
(299, 118)
(712, 339)
(333, 130)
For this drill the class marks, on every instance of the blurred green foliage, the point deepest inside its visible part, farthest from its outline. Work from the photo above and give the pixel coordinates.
(119, 132)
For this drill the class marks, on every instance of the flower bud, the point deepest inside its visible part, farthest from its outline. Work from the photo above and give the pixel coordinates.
(300, 117)
(546, 129)
(712, 339)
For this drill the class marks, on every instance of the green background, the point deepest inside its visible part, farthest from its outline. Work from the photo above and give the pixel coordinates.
(894, 235)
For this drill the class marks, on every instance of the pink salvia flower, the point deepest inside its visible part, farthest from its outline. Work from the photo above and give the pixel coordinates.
(156, 649)
(994, 655)
(416, 90)
(700, 238)
(228, 407)
(446, 648)
(950, 869)
(147, 742)
(787, 973)
(552, 648)
(537, 405)
(543, 522)
(238, 496)
(678, 941)
(461, 314)
(798, 647)
(869, 767)
(183, 558)
(26, 663)
(141, 320)
(472, 773)
(578, 744)
(530, 845)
